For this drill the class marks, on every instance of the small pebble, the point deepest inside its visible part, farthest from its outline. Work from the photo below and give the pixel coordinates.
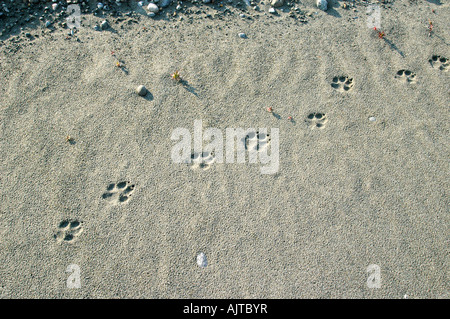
(272, 10)
(277, 3)
(141, 90)
(372, 119)
(242, 35)
(165, 3)
(322, 4)
(201, 260)
(104, 25)
(153, 8)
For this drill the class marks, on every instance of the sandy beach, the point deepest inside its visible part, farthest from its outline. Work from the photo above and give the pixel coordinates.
(355, 204)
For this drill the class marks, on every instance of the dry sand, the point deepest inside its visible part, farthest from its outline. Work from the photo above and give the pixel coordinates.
(348, 195)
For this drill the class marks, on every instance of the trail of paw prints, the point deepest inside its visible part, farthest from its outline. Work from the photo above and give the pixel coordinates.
(68, 231)
(118, 193)
(316, 120)
(256, 141)
(440, 62)
(342, 83)
(202, 161)
(406, 75)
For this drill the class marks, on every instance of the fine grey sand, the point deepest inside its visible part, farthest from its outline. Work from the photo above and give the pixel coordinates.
(352, 193)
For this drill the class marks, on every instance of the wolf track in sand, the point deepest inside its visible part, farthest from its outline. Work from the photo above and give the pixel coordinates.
(202, 161)
(118, 193)
(440, 62)
(316, 120)
(342, 83)
(68, 231)
(406, 75)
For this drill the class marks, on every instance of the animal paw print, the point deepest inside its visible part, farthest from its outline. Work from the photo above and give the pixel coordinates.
(316, 120)
(68, 231)
(256, 141)
(440, 61)
(406, 75)
(118, 193)
(342, 83)
(202, 161)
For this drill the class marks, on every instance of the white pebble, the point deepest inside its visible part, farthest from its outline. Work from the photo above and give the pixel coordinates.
(201, 260)
(322, 4)
(141, 90)
(153, 8)
(372, 119)
(277, 3)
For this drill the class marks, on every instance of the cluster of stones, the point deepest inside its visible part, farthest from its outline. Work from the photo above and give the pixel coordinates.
(53, 13)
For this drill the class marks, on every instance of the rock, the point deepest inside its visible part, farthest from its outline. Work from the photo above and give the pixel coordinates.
(100, 5)
(272, 10)
(242, 35)
(165, 3)
(48, 24)
(151, 14)
(104, 25)
(201, 260)
(141, 90)
(277, 3)
(153, 8)
(322, 5)
(206, 1)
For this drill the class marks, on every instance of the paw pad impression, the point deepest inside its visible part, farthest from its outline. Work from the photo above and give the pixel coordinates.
(118, 193)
